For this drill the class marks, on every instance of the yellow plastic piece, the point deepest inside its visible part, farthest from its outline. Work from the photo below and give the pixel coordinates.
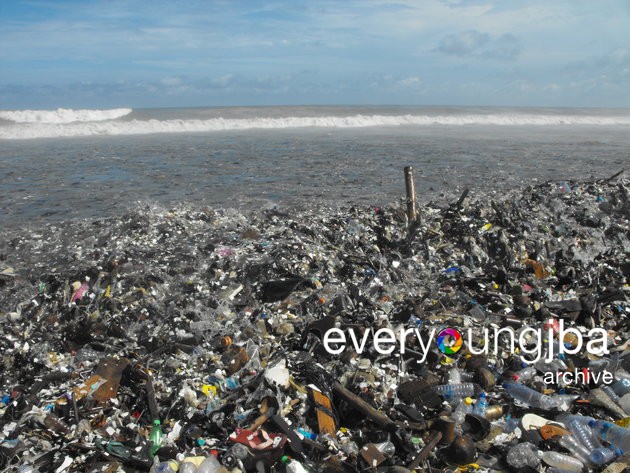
(209, 388)
(623, 422)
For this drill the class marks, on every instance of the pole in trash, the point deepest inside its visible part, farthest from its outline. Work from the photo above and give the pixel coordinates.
(378, 417)
(411, 194)
(428, 448)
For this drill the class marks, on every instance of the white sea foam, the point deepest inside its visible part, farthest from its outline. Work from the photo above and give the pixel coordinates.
(62, 115)
(137, 127)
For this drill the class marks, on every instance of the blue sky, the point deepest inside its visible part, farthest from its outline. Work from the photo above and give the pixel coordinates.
(149, 53)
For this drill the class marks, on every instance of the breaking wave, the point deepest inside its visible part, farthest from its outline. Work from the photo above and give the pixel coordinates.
(63, 115)
(89, 126)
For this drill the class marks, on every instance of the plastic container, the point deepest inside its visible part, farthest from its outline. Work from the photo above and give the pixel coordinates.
(572, 445)
(187, 467)
(612, 433)
(564, 462)
(481, 406)
(457, 376)
(525, 375)
(611, 393)
(386, 448)
(210, 465)
(584, 435)
(621, 387)
(603, 456)
(156, 437)
(455, 391)
(529, 396)
(463, 408)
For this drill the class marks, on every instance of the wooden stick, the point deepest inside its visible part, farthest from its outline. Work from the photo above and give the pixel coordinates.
(378, 417)
(151, 400)
(411, 194)
(424, 453)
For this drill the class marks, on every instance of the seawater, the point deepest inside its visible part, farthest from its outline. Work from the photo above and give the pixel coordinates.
(81, 164)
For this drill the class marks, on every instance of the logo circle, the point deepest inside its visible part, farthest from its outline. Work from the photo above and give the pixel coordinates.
(449, 341)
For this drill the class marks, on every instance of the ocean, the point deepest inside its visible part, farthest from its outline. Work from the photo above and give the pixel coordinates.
(67, 164)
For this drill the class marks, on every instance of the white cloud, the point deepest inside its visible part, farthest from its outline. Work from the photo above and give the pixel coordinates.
(473, 43)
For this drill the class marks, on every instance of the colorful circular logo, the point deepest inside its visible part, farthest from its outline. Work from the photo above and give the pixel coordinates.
(449, 341)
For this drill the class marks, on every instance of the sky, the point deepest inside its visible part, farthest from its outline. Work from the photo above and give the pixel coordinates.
(159, 53)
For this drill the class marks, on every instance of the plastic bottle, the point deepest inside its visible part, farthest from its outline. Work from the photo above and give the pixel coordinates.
(454, 376)
(525, 375)
(307, 433)
(621, 374)
(209, 465)
(529, 396)
(564, 462)
(612, 394)
(293, 466)
(611, 433)
(463, 408)
(621, 387)
(481, 406)
(156, 437)
(187, 467)
(571, 444)
(584, 435)
(603, 456)
(454, 391)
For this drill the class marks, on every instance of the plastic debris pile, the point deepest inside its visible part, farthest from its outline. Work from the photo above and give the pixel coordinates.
(199, 340)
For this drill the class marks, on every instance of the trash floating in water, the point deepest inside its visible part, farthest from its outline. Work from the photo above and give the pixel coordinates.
(200, 340)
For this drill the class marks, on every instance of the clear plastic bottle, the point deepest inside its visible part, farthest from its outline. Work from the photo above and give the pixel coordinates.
(603, 455)
(612, 394)
(463, 408)
(457, 376)
(481, 406)
(584, 435)
(454, 376)
(612, 433)
(572, 445)
(454, 391)
(622, 374)
(187, 467)
(564, 462)
(209, 465)
(621, 387)
(525, 375)
(529, 396)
